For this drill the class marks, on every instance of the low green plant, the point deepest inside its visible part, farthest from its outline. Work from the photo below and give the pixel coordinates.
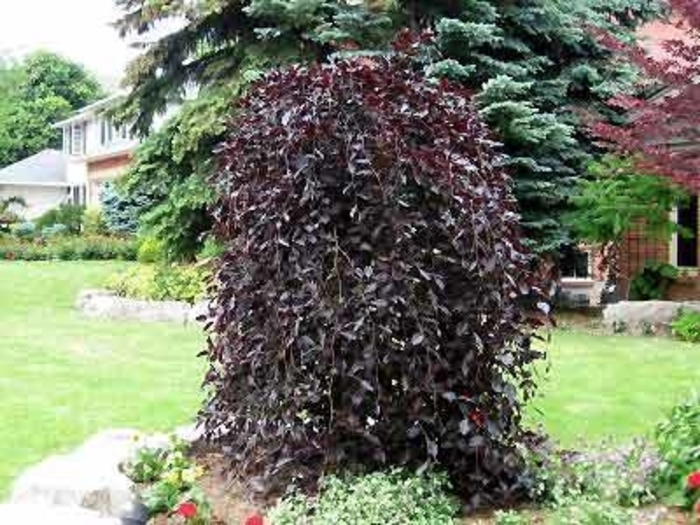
(167, 482)
(24, 230)
(678, 443)
(93, 222)
(70, 215)
(147, 465)
(162, 282)
(151, 251)
(395, 497)
(619, 478)
(71, 248)
(686, 326)
(653, 281)
(510, 517)
(56, 230)
(211, 250)
(590, 512)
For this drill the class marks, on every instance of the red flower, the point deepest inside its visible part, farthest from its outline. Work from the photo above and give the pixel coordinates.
(255, 519)
(187, 510)
(477, 417)
(694, 481)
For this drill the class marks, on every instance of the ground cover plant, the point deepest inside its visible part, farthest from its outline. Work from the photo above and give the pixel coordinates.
(65, 377)
(368, 309)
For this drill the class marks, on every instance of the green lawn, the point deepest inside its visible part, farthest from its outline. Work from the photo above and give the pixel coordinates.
(62, 377)
(615, 387)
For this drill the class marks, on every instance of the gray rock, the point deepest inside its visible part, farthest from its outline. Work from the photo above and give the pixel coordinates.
(645, 317)
(88, 478)
(12, 514)
(102, 304)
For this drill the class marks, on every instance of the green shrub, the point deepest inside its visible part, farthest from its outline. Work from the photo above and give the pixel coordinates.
(678, 442)
(70, 215)
(211, 250)
(93, 222)
(511, 518)
(652, 282)
(151, 251)
(69, 248)
(167, 478)
(57, 230)
(24, 230)
(375, 499)
(619, 477)
(687, 327)
(586, 512)
(161, 283)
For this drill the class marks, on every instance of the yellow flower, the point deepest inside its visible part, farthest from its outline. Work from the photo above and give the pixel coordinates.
(192, 474)
(173, 476)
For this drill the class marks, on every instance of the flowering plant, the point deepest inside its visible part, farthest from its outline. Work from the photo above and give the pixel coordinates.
(692, 488)
(167, 479)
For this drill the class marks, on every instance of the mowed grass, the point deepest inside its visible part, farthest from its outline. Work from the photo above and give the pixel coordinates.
(612, 387)
(63, 377)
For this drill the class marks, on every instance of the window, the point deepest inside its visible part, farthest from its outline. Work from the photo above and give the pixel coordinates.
(106, 131)
(66, 139)
(575, 263)
(687, 241)
(110, 133)
(77, 139)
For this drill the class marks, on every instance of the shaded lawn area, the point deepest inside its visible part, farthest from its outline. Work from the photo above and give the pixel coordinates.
(616, 387)
(63, 378)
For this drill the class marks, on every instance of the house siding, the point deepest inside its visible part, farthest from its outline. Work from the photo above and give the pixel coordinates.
(101, 171)
(39, 199)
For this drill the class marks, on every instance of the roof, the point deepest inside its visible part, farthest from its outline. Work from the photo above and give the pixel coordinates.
(92, 109)
(48, 167)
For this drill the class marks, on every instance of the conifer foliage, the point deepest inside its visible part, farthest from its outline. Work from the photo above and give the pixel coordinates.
(535, 66)
(368, 310)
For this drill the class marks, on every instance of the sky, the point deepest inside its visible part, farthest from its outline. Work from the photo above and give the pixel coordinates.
(77, 29)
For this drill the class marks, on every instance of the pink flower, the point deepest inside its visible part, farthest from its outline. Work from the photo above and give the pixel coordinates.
(187, 510)
(255, 519)
(693, 481)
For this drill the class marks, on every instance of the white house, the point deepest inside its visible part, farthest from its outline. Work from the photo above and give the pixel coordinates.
(41, 180)
(94, 152)
(97, 150)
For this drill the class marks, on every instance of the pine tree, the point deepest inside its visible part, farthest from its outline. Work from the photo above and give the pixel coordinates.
(223, 40)
(534, 65)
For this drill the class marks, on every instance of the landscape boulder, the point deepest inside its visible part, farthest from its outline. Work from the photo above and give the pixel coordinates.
(88, 478)
(645, 317)
(13, 514)
(103, 304)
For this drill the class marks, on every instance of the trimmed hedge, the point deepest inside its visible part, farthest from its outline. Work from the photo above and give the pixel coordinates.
(88, 248)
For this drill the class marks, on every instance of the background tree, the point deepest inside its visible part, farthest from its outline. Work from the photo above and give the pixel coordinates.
(40, 91)
(662, 128)
(616, 199)
(224, 45)
(532, 64)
